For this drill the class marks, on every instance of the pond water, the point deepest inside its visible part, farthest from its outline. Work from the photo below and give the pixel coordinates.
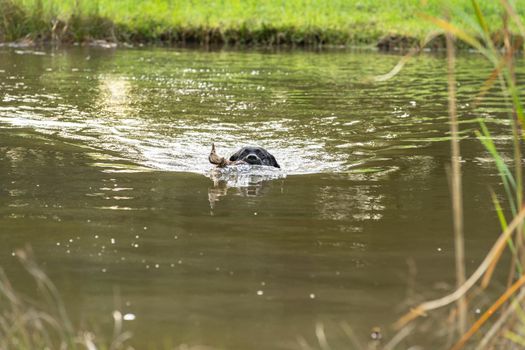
(104, 172)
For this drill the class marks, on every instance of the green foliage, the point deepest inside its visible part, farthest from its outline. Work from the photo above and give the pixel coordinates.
(302, 22)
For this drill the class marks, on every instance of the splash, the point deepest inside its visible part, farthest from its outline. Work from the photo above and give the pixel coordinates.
(244, 175)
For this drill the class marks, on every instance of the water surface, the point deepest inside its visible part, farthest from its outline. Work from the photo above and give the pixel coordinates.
(104, 172)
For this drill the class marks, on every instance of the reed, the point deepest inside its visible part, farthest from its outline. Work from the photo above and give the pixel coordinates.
(456, 183)
(504, 320)
(44, 323)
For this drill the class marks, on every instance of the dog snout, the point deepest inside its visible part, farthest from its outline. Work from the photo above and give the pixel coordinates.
(252, 157)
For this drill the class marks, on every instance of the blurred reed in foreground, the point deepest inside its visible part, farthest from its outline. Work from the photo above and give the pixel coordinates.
(44, 323)
(502, 324)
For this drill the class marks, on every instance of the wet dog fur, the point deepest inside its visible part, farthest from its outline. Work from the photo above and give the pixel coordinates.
(246, 155)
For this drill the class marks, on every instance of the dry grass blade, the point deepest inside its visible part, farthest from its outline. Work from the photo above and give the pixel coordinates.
(321, 337)
(491, 310)
(6, 289)
(119, 340)
(469, 283)
(452, 29)
(303, 344)
(512, 12)
(47, 288)
(510, 311)
(397, 68)
(398, 338)
(87, 341)
(489, 83)
(457, 197)
(351, 335)
(44, 324)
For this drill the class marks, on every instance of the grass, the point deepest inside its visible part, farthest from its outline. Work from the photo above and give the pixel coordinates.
(27, 324)
(297, 22)
(502, 325)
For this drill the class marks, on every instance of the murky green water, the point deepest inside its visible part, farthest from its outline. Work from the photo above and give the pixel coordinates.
(103, 171)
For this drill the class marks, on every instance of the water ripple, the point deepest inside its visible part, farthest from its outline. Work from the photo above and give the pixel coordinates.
(314, 114)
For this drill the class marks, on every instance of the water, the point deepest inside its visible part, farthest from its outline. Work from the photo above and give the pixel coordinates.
(104, 172)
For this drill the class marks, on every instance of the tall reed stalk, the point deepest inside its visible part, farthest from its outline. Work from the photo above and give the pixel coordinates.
(457, 196)
(500, 51)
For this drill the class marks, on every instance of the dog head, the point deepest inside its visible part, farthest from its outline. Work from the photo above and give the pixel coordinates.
(255, 156)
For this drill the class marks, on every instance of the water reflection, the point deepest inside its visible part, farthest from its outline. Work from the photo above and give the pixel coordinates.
(360, 203)
(221, 189)
(115, 97)
(245, 180)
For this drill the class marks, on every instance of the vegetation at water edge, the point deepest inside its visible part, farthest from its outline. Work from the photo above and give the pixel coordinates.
(273, 22)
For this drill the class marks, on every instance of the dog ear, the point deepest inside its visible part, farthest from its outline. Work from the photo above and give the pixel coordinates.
(269, 159)
(235, 156)
(273, 161)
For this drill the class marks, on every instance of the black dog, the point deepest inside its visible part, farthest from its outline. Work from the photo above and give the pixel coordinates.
(248, 155)
(254, 156)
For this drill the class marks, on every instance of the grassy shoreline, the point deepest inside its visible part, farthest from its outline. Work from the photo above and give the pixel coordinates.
(249, 22)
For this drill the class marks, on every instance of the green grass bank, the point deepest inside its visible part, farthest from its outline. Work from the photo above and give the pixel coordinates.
(244, 22)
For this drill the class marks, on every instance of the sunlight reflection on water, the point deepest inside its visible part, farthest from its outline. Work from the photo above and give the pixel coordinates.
(163, 110)
(186, 150)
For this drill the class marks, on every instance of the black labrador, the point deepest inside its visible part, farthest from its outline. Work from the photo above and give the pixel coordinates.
(246, 155)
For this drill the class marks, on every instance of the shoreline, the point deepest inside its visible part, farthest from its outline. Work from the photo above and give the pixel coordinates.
(62, 34)
(384, 43)
(248, 24)
(388, 43)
